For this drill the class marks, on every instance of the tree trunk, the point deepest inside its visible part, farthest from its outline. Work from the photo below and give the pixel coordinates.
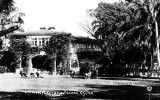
(151, 67)
(53, 64)
(29, 65)
(55, 69)
(19, 64)
(157, 37)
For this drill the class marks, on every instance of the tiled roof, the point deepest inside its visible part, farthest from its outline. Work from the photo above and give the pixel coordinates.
(39, 33)
(50, 33)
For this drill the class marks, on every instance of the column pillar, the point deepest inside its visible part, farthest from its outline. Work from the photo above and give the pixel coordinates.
(19, 65)
(29, 65)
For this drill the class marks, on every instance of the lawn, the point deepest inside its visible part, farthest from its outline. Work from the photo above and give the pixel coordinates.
(12, 86)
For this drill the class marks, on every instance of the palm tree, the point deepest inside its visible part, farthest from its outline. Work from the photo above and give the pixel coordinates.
(135, 21)
(144, 28)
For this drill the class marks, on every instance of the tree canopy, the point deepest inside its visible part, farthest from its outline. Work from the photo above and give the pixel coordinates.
(9, 22)
(57, 48)
(21, 49)
(128, 28)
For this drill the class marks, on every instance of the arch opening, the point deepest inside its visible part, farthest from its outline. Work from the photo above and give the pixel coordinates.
(41, 62)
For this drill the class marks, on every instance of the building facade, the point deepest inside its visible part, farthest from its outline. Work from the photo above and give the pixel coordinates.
(41, 38)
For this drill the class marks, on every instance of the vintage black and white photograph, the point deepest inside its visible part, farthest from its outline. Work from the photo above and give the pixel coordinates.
(79, 49)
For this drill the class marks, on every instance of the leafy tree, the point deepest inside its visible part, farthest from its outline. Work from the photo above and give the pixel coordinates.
(9, 23)
(126, 27)
(21, 48)
(144, 27)
(108, 18)
(57, 47)
(87, 65)
(8, 60)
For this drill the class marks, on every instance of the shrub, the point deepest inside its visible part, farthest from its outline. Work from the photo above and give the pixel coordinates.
(3, 69)
(88, 65)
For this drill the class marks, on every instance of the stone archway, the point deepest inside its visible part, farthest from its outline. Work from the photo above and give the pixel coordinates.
(29, 61)
(41, 62)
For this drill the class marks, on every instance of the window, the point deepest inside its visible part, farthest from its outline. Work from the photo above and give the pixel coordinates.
(32, 43)
(43, 41)
(40, 41)
(47, 41)
(35, 42)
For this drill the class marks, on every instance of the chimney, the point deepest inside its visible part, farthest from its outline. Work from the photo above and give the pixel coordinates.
(42, 28)
(51, 28)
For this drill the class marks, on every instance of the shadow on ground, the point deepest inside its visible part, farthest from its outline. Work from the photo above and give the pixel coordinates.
(126, 92)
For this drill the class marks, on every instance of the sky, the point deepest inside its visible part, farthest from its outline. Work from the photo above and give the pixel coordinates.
(64, 15)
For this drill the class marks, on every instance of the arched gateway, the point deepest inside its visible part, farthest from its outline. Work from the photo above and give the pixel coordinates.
(39, 39)
(31, 62)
